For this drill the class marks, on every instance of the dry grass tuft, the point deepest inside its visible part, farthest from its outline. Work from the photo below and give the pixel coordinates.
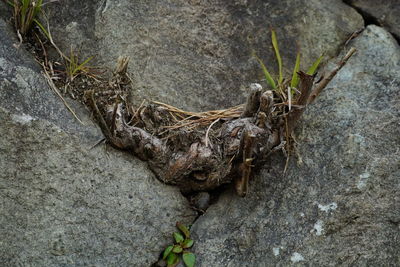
(192, 120)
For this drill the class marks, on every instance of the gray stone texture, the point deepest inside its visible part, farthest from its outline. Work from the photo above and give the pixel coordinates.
(340, 206)
(25, 91)
(197, 54)
(61, 202)
(64, 204)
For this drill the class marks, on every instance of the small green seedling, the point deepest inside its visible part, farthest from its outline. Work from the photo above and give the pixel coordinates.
(74, 68)
(182, 242)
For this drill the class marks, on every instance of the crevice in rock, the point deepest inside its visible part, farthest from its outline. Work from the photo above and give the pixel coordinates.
(202, 201)
(397, 38)
(369, 19)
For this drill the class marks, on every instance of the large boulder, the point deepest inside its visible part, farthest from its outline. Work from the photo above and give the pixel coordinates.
(338, 203)
(64, 203)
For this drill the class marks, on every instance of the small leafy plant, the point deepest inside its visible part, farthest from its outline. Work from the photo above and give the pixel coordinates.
(279, 84)
(182, 242)
(287, 90)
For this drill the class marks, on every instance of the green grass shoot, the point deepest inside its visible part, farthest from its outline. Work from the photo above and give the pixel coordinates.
(314, 66)
(294, 82)
(25, 13)
(74, 68)
(267, 75)
(277, 54)
(295, 77)
(44, 31)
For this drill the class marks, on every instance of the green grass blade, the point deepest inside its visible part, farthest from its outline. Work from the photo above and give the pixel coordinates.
(314, 66)
(295, 77)
(72, 64)
(267, 75)
(277, 54)
(24, 6)
(10, 3)
(28, 21)
(45, 32)
(24, 10)
(82, 65)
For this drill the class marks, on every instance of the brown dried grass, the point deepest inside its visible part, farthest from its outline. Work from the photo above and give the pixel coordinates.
(192, 120)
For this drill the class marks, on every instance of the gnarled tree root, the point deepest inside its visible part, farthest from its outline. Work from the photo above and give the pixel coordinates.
(229, 153)
(202, 158)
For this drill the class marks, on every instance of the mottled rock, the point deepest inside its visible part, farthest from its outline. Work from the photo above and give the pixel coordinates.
(24, 90)
(197, 54)
(341, 205)
(386, 13)
(63, 203)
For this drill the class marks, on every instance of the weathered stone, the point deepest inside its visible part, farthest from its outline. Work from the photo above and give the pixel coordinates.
(386, 13)
(197, 54)
(25, 91)
(62, 203)
(341, 206)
